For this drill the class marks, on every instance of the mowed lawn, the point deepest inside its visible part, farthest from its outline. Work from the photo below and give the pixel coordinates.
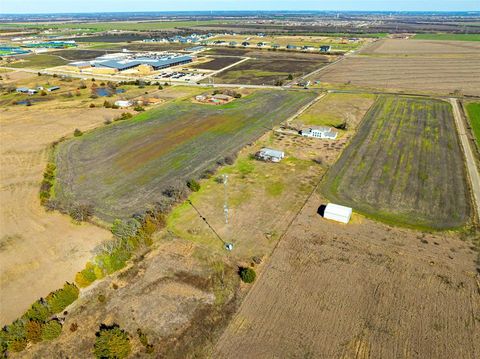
(122, 168)
(404, 166)
(473, 111)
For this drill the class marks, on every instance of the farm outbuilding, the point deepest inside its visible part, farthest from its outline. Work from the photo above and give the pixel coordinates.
(268, 154)
(337, 213)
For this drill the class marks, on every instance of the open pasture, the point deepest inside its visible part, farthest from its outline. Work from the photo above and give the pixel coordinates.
(268, 67)
(122, 168)
(473, 111)
(40, 61)
(216, 63)
(334, 109)
(403, 65)
(404, 166)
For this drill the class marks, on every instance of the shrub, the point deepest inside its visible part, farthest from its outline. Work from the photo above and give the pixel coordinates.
(160, 87)
(51, 330)
(230, 160)
(237, 95)
(107, 104)
(17, 345)
(111, 342)
(125, 229)
(60, 299)
(139, 108)
(114, 260)
(33, 330)
(92, 105)
(81, 212)
(39, 311)
(14, 331)
(247, 275)
(290, 77)
(193, 185)
(77, 132)
(87, 276)
(177, 191)
(43, 93)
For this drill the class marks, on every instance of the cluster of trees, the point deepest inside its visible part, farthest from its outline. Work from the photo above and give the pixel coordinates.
(47, 182)
(129, 236)
(39, 322)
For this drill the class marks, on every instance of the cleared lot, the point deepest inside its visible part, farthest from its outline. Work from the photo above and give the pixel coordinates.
(362, 290)
(122, 168)
(402, 65)
(404, 165)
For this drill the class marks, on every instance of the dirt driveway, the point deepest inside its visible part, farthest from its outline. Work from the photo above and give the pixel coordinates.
(38, 250)
(363, 290)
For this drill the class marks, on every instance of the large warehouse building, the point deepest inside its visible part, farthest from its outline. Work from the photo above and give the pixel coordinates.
(155, 62)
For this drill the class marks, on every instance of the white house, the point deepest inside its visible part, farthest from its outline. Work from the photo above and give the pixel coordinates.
(268, 154)
(337, 213)
(320, 132)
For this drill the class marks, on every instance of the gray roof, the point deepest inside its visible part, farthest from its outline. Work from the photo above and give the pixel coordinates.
(154, 62)
(272, 153)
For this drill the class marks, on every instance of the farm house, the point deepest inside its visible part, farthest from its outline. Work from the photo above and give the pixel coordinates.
(337, 213)
(320, 132)
(270, 155)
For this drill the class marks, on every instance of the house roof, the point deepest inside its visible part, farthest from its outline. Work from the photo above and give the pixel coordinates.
(272, 153)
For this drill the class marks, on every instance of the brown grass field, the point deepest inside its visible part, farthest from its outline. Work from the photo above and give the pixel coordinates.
(38, 250)
(362, 290)
(403, 65)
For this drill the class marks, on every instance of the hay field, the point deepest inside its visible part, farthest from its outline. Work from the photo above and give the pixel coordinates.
(39, 251)
(362, 290)
(404, 166)
(417, 66)
(122, 168)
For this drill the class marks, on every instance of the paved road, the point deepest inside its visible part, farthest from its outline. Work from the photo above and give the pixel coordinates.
(472, 169)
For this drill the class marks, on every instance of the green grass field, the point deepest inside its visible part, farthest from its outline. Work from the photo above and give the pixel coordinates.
(473, 111)
(39, 62)
(404, 166)
(122, 168)
(451, 37)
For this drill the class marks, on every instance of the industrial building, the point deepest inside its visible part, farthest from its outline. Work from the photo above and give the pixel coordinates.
(156, 63)
(122, 61)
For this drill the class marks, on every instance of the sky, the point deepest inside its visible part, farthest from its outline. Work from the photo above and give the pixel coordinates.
(62, 6)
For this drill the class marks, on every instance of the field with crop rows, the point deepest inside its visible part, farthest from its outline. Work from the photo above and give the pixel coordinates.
(434, 67)
(123, 167)
(404, 166)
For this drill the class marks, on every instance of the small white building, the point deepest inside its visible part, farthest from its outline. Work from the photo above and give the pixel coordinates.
(268, 154)
(320, 132)
(122, 103)
(337, 213)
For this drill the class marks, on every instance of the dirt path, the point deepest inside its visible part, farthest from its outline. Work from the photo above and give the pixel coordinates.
(38, 250)
(473, 171)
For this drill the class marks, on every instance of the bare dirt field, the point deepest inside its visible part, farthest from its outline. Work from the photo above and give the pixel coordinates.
(362, 290)
(216, 63)
(38, 250)
(418, 66)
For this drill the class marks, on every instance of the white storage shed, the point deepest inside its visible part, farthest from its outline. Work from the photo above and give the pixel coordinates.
(337, 213)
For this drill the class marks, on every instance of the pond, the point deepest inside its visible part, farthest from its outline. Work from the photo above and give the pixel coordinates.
(104, 91)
